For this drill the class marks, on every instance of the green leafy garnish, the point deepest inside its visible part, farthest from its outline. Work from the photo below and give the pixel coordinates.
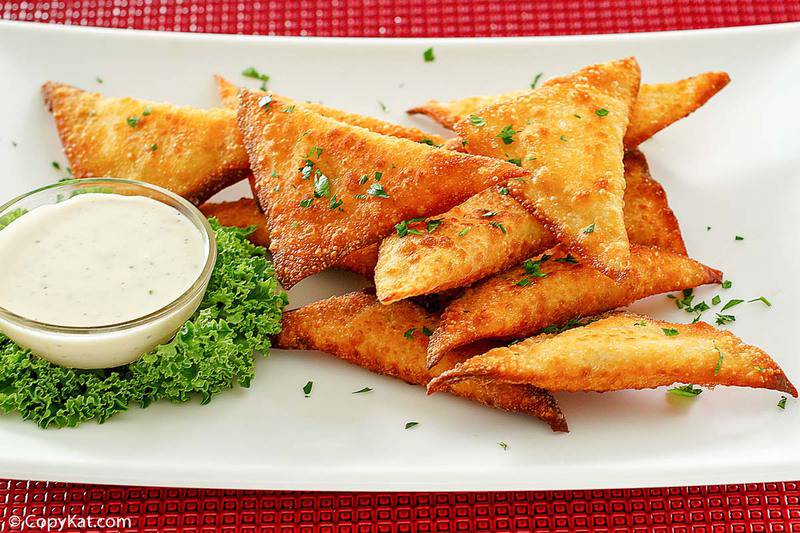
(264, 102)
(307, 388)
(376, 189)
(251, 72)
(601, 112)
(409, 334)
(720, 358)
(475, 120)
(55, 165)
(427, 332)
(428, 55)
(132, 121)
(589, 229)
(404, 229)
(670, 332)
(335, 202)
(727, 284)
(536, 80)
(739, 238)
(724, 319)
(147, 111)
(515, 161)
(716, 300)
(507, 135)
(782, 403)
(686, 391)
(410, 425)
(503, 191)
(429, 142)
(463, 232)
(360, 391)
(153, 147)
(498, 226)
(431, 225)
(568, 259)
(322, 186)
(211, 353)
(307, 202)
(731, 303)
(762, 300)
(503, 445)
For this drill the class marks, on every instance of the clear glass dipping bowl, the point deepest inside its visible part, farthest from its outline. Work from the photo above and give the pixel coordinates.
(124, 342)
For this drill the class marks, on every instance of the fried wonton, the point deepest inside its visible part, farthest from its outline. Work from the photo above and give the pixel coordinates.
(329, 188)
(491, 231)
(391, 340)
(625, 351)
(244, 212)
(228, 95)
(192, 152)
(656, 107)
(555, 288)
(569, 135)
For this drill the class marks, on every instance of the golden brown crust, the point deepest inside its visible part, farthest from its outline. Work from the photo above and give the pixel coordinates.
(361, 168)
(486, 234)
(656, 107)
(625, 351)
(245, 212)
(569, 135)
(192, 152)
(228, 95)
(659, 105)
(358, 329)
(468, 246)
(516, 304)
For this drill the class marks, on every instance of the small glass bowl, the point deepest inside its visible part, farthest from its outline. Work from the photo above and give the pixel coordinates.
(124, 342)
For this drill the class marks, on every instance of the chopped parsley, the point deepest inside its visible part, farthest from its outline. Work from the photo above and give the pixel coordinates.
(463, 232)
(719, 362)
(727, 284)
(427, 141)
(361, 391)
(133, 121)
(640, 323)
(287, 109)
(716, 300)
(563, 138)
(56, 165)
(307, 388)
(532, 270)
(731, 303)
(507, 134)
(536, 79)
(725, 319)
(568, 259)
(153, 147)
(782, 403)
(670, 332)
(515, 161)
(686, 391)
(762, 300)
(98, 79)
(376, 189)
(589, 229)
(409, 334)
(739, 238)
(489, 214)
(383, 106)
(570, 324)
(251, 72)
(335, 203)
(428, 55)
(363, 179)
(425, 331)
(403, 229)
(431, 225)
(147, 111)
(503, 445)
(378, 176)
(601, 112)
(264, 103)
(498, 226)
(410, 425)
(524, 282)
(307, 202)
(322, 186)
(475, 120)
(315, 149)
(503, 191)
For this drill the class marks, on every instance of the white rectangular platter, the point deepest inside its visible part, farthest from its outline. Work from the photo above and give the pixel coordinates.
(733, 166)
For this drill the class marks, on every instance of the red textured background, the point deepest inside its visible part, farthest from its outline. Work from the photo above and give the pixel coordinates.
(773, 507)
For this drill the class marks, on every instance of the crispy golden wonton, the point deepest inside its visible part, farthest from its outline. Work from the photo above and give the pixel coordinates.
(392, 340)
(192, 152)
(228, 95)
(245, 212)
(553, 289)
(569, 135)
(625, 351)
(329, 188)
(491, 231)
(656, 107)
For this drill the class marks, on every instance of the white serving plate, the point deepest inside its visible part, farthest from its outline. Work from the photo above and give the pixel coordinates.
(734, 166)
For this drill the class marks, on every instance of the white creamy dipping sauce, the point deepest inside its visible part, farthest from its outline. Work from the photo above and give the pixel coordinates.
(98, 259)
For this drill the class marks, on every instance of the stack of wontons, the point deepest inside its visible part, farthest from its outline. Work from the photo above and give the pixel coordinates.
(498, 256)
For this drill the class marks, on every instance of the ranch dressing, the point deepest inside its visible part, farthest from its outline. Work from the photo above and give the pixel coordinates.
(97, 259)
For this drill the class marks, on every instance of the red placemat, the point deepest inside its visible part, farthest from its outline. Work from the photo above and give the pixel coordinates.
(69, 507)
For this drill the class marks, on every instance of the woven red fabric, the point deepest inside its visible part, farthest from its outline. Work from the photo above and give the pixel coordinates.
(758, 507)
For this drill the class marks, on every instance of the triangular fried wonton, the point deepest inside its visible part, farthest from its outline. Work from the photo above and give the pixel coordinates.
(229, 97)
(656, 107)
(244, 213)
(550, 290)
(192, 152)
(491, 231)
(625, 351)
(569, 134)
(329, 188)
(391, 340)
